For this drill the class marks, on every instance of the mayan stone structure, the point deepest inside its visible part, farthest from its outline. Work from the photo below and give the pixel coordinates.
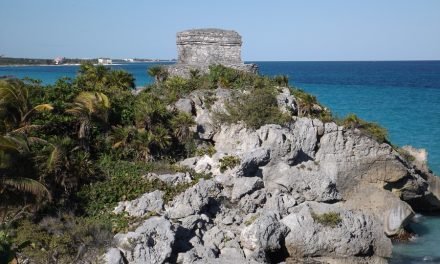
(200, 48)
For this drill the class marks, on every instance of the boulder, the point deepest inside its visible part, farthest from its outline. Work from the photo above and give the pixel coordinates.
(251, 202)
(307, 179)
(235, 139)
(194, 199)
(353, 234)
(263, 235)
(252, 161)
(350, 158)
(283, 203)
(279, 141)
(150, 243)
(185, 105)
(246, 185)
(113, 256)
(149, 202)
(394, 213)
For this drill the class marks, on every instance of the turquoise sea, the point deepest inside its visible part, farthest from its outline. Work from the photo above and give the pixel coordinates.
(403, 96)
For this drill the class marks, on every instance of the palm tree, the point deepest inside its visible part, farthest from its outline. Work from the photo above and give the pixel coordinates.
(92, 77)
(10, 148)
(181, 124)
(159, 139)
(121, 79)
(149, 110)
(159, 73)
(15, 106)
(130, 140)
(88, 105)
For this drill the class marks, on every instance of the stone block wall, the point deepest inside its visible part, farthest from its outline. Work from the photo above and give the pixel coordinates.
(199, 48)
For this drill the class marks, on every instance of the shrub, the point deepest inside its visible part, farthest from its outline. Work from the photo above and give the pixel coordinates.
(7, 254)
(255, 109)
(228, 162)
(64, 238)
(125, 181)
(206, 150)
(331, 219)
(281, 80)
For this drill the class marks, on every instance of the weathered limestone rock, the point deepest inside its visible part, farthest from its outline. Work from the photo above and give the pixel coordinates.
(357, 234)
(283, 203)
(172, 179)
(394, 213)
(185, 105)
(149, 202)
(200, 48)
(262, 236)
(113, 256)
(193, 199)
(286, 101)
(420, 157)
(350, 158)
(149, 243)
(307, 179)
(246, 185)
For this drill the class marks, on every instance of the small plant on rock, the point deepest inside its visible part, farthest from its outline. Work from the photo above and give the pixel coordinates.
(228, 162)
(330, 219)
(208, 150)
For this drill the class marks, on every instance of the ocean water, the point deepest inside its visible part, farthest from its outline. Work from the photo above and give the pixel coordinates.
(402, 96)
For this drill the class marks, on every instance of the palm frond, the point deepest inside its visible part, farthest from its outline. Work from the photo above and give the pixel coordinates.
(43, 107)
(26, 185)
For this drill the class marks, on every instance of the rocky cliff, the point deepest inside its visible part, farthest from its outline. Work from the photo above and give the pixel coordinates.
(306, 190)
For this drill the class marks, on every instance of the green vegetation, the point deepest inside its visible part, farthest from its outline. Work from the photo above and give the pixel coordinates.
(330, 219)
(373, 130)
(206, 150)
(229, 162)
(251, 220)
(78, 147)
(255, 109)
(69, 152)
(405, 154)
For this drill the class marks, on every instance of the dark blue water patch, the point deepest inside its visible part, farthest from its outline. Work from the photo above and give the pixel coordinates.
(416, 74)
(402, 96)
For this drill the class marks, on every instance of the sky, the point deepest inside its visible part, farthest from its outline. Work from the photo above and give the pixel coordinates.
(283, 30)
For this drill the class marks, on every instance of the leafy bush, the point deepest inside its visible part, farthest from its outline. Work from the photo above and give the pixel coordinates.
(331, 219)
(7, 254)
(255, 109)
(65, 238)
(125, 182)
(228, 162)
(206, 150)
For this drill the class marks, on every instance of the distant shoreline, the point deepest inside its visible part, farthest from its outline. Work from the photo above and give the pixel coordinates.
(78, 64)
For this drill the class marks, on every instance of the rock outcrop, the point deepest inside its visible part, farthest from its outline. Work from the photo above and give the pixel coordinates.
(150, 243)
(199, 48)
(306, 190)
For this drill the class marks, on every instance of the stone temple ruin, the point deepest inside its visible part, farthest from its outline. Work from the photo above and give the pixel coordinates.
(200, 48)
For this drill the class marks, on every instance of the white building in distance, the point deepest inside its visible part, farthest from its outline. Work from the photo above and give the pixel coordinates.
(104, 61)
